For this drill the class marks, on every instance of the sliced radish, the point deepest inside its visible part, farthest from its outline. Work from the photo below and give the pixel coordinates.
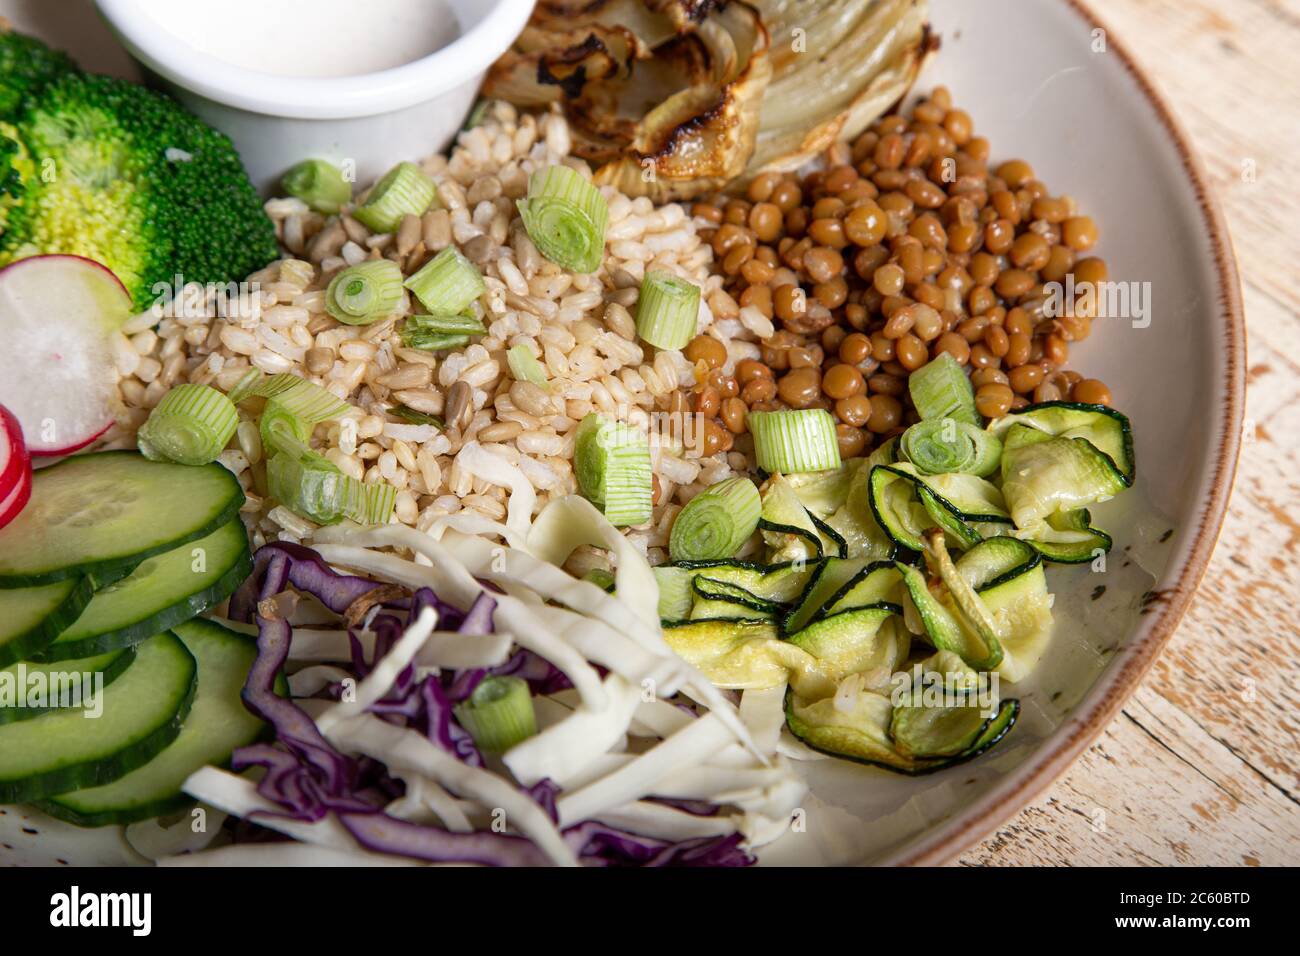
(15, 499)
(58, 315)
(14, 459)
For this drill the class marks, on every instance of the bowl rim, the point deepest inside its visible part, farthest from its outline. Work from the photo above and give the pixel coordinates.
(318, 98)
(1110, 692)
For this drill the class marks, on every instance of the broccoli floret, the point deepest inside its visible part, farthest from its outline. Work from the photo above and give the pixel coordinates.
(126, 176)
(26, 66)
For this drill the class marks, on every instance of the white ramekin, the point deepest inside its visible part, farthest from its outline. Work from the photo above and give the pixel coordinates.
(372, 121)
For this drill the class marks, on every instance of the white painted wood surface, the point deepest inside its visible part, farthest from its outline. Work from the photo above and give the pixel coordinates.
(1203, 765)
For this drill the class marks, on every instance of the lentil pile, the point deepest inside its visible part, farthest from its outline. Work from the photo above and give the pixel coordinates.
(905, 244)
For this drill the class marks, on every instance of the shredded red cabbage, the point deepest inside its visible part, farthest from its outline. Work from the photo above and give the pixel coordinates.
(308, 778)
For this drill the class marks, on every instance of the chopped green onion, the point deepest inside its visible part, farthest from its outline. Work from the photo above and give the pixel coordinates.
(667, 310)
(448, 283)
(434, 341)
(244, 387)
(612, 463)
(794, 440)
(945, 446)
(191, 426)
(716, 522)
(941, 389)
(565, 216)
(404, 191)
(407, 414)
(462, 324)
(477, 114)
(311, 485)
(499, 713)
(307, 484)
(601, 578)
(277, 425)
(319, 184)
(301, 398)
(365, 293)
(525, 367)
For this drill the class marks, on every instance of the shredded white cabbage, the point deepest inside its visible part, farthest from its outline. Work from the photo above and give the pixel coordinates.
(495, 470)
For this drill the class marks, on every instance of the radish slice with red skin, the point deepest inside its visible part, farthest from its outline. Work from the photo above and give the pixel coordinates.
(14, 459)
(58, 313)
(12, 504)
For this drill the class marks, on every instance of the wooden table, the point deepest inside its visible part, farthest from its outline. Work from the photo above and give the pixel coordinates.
(1203, 765)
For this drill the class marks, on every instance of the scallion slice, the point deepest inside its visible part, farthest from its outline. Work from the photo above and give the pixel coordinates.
(319, 184)
(277, 425)
(565, 216)
(716, 522)
(612, 464)
(190, 425)
(408, 414)
(667, 310)
(313, 486)
(447, 283)
(525, 367)
(434, 341)
(941, 389)
(462, 324)
(403, 191)
(794, 440)
(945, 446)
(365, 293)
(244, 387)
(499, 713)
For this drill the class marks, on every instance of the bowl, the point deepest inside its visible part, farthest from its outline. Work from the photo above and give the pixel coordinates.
(359, 122)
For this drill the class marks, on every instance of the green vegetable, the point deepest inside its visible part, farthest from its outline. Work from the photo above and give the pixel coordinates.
(420, 329)
(403, 191)
(565, 216)
(433, 341)
(190, 426)
(30, 618)
(612, 464)
(319, 184)
(667, 310)
(794, 440)
(525, 367)
(365, 293)
(415, 418)
(27, 66)
(716, 522)
(971, 610)
(939, 446)
(141, 713)
(293, 406)
(448, 283)
(142, 186)
(941, 389)
(1043, 476)
(311, 485)
(499, 713)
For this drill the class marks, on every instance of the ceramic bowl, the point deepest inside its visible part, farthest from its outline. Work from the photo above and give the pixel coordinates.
(1073, 103)
(363, 121)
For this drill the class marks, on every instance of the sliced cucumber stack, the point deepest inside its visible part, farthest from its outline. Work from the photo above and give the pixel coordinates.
(96, 515)
(142, 712)
(76, 678)
(165, 590)
(217, 725)
(31, 618)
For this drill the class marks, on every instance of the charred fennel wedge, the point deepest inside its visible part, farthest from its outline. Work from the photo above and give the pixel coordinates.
(703, 93)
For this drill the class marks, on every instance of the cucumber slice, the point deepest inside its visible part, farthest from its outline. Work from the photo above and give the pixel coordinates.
(96, 514)
(142, 713)
(61, 681)
(163, 591)
(1106, 429)
(217, 725)
(30, 618)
